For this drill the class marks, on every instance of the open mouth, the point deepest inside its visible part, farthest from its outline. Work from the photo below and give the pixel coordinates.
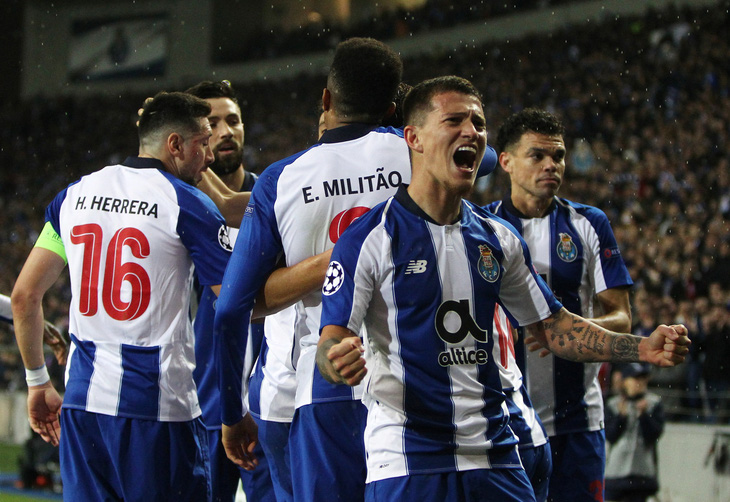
(465, 157)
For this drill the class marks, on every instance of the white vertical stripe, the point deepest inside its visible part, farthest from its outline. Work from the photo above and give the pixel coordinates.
(278, 387)
(592, 282)
(385, 371)
(537, 230)
(454, 272)
(105, 385)
(538, 438)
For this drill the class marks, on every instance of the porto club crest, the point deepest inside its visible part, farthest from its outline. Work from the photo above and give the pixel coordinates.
(566, 248)
(488, 265)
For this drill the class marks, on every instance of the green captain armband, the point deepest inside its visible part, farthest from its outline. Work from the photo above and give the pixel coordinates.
(51, 241)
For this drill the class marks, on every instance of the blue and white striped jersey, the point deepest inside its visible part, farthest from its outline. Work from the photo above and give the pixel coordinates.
(522, 417)
(206, 372)
(132, 233)
(273, 384)
(573, 248)
(426, 294)
(298, 208)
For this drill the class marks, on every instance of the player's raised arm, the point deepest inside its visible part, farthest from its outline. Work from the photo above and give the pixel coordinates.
(572, 337)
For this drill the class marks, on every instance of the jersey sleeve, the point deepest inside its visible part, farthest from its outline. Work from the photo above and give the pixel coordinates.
(205, 235)
(351, 278)
(523, 293)
(606, 266)
(53, 211)
(258, 248)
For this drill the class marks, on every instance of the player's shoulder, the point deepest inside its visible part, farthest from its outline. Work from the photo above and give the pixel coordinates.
(275, 169)
(578, 207)
(491, 219)
(392, 131)
(494, 206)
(188, 197)
(593, 214)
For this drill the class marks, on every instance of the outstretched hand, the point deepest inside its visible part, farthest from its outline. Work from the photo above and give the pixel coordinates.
(667, 345)
(44, 406)
(239, 441)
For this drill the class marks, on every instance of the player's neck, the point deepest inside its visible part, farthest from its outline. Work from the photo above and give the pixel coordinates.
(531, 206)
(234, 180)
(443, 206)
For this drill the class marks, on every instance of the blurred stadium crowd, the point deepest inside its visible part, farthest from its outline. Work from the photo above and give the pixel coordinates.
(646, 101)
(319, 35)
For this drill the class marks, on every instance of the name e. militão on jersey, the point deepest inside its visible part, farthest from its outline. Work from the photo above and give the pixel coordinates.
(353, 186)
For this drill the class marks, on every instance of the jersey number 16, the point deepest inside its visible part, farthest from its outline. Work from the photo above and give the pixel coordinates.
(116, 272)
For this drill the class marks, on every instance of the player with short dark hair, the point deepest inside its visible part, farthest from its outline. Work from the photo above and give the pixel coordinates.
(298, 208)
(575, 251)
(363, 80)
(419, 276)
(227, 145)
(131, 234)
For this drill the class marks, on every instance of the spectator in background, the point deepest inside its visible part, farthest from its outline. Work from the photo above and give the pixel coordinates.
(634, 423)
(715, 346)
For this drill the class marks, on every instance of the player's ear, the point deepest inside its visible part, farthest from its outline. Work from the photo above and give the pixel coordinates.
(410, 134)
(326, 99)
(390, 111)
(174, 144)
(505, 160)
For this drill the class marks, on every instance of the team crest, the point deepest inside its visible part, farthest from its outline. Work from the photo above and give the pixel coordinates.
(333, 279)
(488, 265)
(566, 248)
(223, 239)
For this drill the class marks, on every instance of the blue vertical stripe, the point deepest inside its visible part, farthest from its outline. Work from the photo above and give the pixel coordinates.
(565, 278)
(79, 377)
(487, 374)
(140, 390)
(427, 385)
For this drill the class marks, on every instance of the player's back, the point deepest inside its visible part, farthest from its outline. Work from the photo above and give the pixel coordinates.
(320, 193)
(124, 231)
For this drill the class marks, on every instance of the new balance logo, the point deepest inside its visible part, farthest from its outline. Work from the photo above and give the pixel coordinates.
(416, 267)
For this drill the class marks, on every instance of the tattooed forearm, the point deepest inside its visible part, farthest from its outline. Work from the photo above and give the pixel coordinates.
(625, 348)
(575, 338)
(594, 340)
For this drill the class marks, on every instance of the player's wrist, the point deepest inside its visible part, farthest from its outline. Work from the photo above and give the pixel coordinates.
(37, 376)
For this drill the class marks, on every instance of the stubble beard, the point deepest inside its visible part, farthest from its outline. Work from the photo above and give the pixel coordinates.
(223, 165)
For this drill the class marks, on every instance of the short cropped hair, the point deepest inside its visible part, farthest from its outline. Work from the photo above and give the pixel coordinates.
(364, 77)
(170, 112)
(525, 121)
(396, 119)
(208, 89)
(418, 102)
